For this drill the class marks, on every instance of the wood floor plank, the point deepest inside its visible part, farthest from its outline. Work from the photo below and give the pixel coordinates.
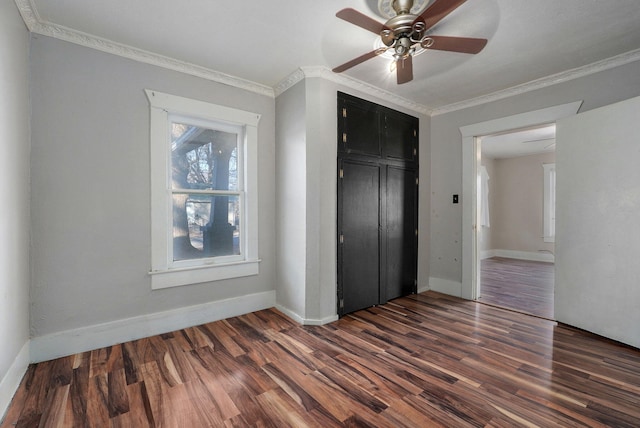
(54, 413)
(117, 399)
(282, 410)
(97, 401)
(422, 360)
(522, 285)
(36, 384)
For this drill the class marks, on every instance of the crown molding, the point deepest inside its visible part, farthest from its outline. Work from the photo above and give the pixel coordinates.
(341, 79)
(28, 13)
(543, 82)
(36, 25)
(289, 81)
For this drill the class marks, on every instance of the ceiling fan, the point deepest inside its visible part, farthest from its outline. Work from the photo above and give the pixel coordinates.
(406, 32)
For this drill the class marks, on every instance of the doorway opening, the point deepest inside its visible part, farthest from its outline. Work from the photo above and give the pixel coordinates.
(516, 224)
(471, 162)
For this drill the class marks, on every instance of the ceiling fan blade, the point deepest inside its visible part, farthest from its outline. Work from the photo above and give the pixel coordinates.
(356, 61)
(458, 44)
(404, 70)
(361, 20)
(438, 10)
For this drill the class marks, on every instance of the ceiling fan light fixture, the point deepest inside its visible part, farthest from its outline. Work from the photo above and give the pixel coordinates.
(403, 47)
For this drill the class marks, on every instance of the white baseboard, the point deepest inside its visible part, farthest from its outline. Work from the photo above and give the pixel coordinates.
(11, 381)
(306, 321)
(83, 339)
(487, 254)
(423, 288)
(539, 256)
(446, 286)
(291, 314)
(321, 321)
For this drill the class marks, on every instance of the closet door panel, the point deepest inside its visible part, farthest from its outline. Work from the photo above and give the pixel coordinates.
(400, 136)
(361, 131)
(359, 241)
(401, 230)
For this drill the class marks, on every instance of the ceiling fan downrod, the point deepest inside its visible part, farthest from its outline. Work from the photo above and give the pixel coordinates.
(402, 6)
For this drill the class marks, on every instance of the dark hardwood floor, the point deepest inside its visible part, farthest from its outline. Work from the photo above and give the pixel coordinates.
(418, 361)
(521, 285)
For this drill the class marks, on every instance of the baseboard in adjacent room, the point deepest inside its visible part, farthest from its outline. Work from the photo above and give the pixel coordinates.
(487, 254)
(84, 339)
(534, 256)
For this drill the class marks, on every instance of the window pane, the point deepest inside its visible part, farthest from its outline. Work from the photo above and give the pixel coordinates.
(203, 158)
(205, 226)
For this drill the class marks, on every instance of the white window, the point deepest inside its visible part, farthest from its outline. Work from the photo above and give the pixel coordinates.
(549, 202)
(204, 220)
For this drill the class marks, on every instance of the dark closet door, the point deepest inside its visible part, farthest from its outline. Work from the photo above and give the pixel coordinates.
(377, 204)
(361, 129)
(400, 137)
(401, 232)
(359, 247)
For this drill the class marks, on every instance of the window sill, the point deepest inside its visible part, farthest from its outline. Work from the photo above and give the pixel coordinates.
(195, 275)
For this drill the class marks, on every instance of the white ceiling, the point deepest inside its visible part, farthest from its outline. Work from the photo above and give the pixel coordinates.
(265, 41)
(520, 143)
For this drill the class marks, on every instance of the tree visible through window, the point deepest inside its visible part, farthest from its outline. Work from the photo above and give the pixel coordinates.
(206, 193)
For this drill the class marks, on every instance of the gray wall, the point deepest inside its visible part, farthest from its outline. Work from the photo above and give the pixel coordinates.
(90, 178)
(446, 150)
(598, 207)
(291, 197)
(14, 194)
(518, 196)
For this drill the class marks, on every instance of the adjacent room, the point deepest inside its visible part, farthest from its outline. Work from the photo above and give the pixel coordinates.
(273, 213)
(517, 220)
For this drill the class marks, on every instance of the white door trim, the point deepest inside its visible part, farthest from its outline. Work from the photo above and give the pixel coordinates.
(470, 165)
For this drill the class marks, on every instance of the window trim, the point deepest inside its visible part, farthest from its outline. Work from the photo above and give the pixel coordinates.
(549, 232)
(163, 272)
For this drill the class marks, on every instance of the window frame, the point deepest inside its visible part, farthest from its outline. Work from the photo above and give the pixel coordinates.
(549, 202)
(165, 272)
(240, 193)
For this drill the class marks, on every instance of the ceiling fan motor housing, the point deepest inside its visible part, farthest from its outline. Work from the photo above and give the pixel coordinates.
(401, 24)
(404, 25)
